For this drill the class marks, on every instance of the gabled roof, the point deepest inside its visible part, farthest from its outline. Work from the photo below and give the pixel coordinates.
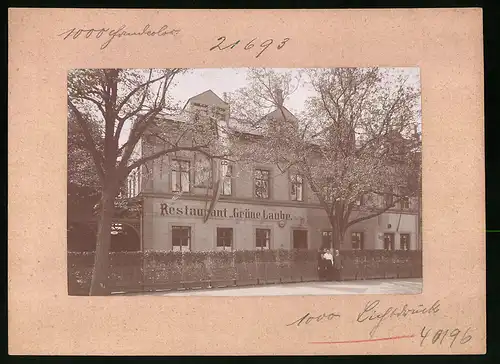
(277, 114)
(255, 129)
(210, 95)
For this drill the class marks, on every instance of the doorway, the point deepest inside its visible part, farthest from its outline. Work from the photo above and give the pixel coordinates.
(299, 239)
(327, 239)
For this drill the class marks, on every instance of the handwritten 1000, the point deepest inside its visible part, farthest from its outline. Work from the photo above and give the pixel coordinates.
(263, 46)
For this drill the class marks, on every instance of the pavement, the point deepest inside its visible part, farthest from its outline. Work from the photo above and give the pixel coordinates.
(373, 286)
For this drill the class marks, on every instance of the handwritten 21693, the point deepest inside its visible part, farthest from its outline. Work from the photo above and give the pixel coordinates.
(263, 46)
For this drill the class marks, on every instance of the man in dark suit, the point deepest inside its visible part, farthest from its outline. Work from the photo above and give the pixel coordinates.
(337, 265)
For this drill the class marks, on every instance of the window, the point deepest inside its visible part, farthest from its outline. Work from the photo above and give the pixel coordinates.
(357, 240)
(405, 203)
(213, 125)
(263, 238)
(360, 201)
(227, 181)
(326, 239)
(138, 176)
(203, 171)
(389, 241)
(181, 238)
(180, 176)
(297, 187)
(261, 183)
(225, 238)
(404, 242)
(299, 239)
(388, 199)
(134, 185)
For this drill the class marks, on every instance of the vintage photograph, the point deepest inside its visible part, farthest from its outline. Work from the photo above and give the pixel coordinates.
(244, 181)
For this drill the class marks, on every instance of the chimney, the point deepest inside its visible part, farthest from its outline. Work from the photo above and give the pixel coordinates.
(279, 97)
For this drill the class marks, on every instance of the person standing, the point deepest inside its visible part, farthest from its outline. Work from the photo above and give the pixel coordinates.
(328, 258)
(321, 264)
(337, 265)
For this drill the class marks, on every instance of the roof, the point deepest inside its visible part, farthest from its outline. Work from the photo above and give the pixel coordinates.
(277, 114)
(234, 125)
(208, 94)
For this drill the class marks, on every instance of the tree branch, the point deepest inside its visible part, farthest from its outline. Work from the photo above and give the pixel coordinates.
(156, 155)
(369, 216)
(121, 120)
(91, 145)
(94, 101)
(110, 152)
(137, 88)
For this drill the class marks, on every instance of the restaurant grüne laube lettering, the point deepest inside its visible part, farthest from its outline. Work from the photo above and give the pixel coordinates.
(235, 213)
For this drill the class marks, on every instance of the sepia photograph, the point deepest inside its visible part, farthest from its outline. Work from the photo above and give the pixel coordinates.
(244, 181)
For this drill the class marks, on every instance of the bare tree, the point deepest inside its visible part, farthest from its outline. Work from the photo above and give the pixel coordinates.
(356, 142)
(129, 106)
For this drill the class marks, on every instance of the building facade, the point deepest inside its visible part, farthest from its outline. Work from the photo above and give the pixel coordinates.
(257, 208)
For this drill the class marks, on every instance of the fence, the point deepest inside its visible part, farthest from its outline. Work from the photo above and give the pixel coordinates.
(150, 271)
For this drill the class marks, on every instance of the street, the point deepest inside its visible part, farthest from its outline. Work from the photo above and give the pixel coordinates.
(375, 286)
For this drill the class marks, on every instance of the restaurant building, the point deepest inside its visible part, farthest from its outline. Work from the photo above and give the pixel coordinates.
(258, 207)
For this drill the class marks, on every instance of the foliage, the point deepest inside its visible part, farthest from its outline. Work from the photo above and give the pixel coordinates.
(157, 268)
(356, 140)
(83, 183)
(115, 111)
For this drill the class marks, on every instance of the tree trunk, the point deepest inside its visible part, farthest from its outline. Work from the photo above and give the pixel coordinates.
(99, 284)
(337, 234)
(337, 238)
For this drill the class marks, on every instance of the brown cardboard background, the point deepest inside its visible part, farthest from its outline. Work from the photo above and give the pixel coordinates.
(445, 43)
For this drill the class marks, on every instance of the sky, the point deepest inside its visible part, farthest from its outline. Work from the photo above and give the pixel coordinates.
(221, 80)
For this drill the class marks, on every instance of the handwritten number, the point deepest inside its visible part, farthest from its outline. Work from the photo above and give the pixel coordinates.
(265, 45)
(222, 40)
(444, 335)
(454, 335)
(249, 45)
(437, 336)
(230, 45)
(424, 336)
(282, 44)
(465, 338)
(234, 44)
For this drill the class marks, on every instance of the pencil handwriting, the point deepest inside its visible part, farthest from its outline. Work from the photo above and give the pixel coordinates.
(443, 336)
(308, 318)
(109, 34)
(371, 312)
(263, 45)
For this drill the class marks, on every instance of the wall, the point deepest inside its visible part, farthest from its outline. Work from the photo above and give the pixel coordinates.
(158, 227)
(157, 231)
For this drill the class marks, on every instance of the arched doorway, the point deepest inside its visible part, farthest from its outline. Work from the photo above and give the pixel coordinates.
(124, 237)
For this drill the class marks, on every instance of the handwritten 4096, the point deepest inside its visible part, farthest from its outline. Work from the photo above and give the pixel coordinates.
(263, 46)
